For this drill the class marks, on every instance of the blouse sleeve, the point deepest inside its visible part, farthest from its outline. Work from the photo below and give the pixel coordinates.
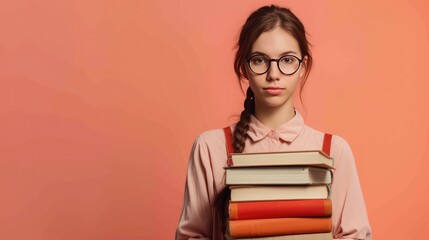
(350, 218)
(196, 217)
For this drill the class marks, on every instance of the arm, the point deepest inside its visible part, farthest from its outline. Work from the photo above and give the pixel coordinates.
(350, 218)
(196, 219)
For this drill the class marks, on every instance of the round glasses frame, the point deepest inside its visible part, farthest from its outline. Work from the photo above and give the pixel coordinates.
(269, 60)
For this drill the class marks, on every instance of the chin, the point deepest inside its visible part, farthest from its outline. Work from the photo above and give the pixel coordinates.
(267, 101)
(274, 104)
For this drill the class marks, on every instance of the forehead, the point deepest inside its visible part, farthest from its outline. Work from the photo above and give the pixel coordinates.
(275, 42)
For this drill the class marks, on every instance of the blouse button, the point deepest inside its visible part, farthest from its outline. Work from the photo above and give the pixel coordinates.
(273, 134)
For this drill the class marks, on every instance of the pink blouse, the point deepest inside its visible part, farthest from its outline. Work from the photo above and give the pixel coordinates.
(205, 177)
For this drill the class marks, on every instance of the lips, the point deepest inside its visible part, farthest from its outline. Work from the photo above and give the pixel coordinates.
(274, 90)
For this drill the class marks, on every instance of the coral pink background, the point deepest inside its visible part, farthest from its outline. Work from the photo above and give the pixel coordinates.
(100, 102)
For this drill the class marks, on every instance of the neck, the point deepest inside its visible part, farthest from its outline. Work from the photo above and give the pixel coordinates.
(274, 117)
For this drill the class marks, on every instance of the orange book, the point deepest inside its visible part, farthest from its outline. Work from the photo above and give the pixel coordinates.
(278, 226)
(308, 236)
(280, 209)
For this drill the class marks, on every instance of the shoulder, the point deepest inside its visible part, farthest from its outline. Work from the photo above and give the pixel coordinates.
(212, 136)
(339, 145)
(211, 140)
(209, 150)
(215, 136)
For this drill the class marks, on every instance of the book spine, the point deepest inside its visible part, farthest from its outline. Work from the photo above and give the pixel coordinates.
(278, 226)
(310, 236)
(280, 209)
(275, 193)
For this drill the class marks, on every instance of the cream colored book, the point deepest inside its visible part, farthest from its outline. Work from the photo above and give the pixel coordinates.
(291, 175)
(265, 193)
(314, 158)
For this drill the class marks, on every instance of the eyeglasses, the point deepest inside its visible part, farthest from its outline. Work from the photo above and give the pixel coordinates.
(287, 64)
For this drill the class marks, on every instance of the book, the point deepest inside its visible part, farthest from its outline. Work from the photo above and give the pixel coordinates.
(315, 158)
(280, 209)
(277, 226)
(263, 193)
(278, 175)
(310, 236)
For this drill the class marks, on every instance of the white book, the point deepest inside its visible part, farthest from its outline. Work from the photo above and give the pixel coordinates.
(265, 193)
(278, 175)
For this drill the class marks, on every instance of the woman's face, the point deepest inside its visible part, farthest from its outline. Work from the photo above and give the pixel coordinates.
(274, 89)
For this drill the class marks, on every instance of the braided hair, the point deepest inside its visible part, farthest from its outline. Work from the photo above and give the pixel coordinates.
(239, 135)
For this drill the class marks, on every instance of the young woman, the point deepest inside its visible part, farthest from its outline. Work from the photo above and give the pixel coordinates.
(273, 56)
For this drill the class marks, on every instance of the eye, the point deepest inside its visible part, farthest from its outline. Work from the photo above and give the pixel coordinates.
(258, 60)
(288, 60)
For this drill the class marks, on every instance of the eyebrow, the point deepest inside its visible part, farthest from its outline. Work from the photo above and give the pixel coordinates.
(284, 53)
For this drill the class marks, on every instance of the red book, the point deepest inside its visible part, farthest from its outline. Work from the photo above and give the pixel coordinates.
(280, 209)
(278, 226)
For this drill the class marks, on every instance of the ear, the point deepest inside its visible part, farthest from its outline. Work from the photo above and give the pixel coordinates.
(303, 67)
(245, 72)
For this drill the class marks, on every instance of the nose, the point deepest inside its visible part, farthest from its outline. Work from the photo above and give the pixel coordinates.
(273, 73)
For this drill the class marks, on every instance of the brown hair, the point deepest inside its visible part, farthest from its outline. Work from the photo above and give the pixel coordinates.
(262, 20)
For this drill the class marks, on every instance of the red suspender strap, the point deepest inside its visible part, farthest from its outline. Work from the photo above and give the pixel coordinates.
(327, 144)
(327, 139)
(229, 146)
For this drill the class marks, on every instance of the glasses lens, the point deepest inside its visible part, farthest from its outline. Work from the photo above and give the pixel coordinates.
(258, 64)
(289, 64)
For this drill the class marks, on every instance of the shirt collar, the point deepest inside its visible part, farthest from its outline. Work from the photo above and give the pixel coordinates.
(288, 132)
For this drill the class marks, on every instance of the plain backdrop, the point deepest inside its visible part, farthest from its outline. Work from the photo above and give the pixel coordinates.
(100, 102)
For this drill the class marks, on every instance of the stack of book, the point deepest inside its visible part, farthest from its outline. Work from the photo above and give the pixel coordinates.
(280, 196)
